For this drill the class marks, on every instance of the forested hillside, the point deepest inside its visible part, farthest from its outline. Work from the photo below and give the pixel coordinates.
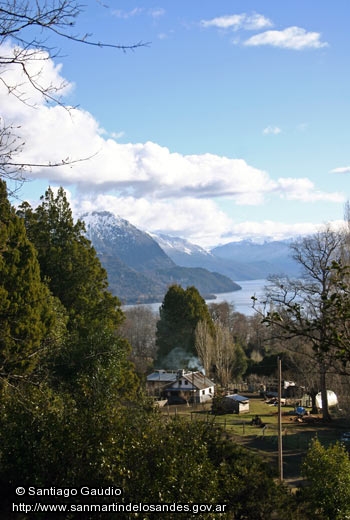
(72, 410)
(139, 271)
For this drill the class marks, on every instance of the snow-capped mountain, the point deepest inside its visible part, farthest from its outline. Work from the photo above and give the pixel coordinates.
(177, 244)
(244, 260)
(269, 257)
(113, 235)
(138, 269)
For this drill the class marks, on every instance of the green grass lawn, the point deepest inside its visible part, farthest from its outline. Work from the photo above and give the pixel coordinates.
(296, 436)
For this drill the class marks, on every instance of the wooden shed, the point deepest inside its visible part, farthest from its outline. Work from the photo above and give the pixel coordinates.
(235, 403)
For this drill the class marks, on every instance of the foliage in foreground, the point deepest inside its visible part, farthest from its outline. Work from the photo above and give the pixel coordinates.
(71, 412)
(51, 443)
(74, 415)
(327, 474)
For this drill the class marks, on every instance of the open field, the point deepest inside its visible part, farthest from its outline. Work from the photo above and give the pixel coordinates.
(296, 436)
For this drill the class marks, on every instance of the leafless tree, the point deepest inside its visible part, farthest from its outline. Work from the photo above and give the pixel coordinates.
(312, 308)
(223, 354)
(204, 345)
(25, 30)
(139, 328)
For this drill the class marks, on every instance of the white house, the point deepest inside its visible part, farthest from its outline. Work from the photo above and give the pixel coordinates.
(181, 386)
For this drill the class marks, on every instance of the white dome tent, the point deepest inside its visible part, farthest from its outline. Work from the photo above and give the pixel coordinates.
(331, 398)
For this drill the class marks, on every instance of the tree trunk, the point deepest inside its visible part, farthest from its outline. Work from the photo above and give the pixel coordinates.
(312, 394)
(325, 411)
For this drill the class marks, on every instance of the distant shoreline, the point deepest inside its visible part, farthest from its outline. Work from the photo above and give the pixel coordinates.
(240, 298)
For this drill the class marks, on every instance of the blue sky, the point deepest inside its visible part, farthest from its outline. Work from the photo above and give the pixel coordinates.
(233, 122)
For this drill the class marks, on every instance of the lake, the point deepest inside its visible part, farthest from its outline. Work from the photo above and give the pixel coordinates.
(240, 299)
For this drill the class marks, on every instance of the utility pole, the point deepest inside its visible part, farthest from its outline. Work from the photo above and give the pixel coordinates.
(280, 454)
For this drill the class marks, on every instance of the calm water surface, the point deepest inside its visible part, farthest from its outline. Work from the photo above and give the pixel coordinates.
(240, 299)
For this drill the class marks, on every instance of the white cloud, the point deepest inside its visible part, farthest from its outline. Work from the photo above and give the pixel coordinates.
(272, 230)
(304, 190)
(344, 169)
(295, 38)
(256, 22)
(154, 12)
(251, 22)
(197, 219)
(45, 75)
(274, 130)
(233, 21)
(154, 188)
(119, 13)
(117, 135)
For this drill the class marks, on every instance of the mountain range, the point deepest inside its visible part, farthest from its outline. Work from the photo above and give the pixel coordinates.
(139, 270)
(243, 260)
(141, 266)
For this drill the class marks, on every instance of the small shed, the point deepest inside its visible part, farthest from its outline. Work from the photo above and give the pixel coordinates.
(235, 403)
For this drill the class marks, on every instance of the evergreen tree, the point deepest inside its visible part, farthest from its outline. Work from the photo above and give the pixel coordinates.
(26, 306)
(74, 274)
(180, 312)
(327, 472)
(63, 430)
(67, 260)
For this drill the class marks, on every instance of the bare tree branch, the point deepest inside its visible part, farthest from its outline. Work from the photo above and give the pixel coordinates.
(29, 25)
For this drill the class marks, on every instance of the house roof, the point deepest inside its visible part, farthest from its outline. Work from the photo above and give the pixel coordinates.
(198, 380)
(162, 376)
(237, 397)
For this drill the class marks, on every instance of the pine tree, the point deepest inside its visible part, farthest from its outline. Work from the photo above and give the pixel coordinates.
(75, 276)
(180, 312)
(26, 312)
(67, 259)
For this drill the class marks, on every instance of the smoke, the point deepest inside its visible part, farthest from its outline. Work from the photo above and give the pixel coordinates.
(195, 364)
(178, 358)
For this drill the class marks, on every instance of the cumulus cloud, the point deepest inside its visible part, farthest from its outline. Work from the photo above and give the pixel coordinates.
(272, 230)
(233, 21)
(199, 220)
(295, 38)
(304, 190)
(343, 169)
(274, 130)
(45, 77)
(256, 22)
(251, 22)
(153, 187)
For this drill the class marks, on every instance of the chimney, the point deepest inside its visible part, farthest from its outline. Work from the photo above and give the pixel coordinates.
(180, 373)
